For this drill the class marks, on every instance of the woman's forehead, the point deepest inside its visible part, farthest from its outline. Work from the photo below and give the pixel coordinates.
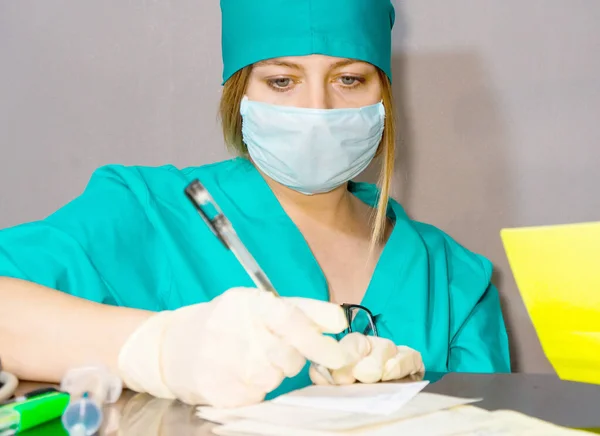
(308, 61)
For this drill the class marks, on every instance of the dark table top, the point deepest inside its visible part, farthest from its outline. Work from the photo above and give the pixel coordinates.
(544, 396)
(569, 404)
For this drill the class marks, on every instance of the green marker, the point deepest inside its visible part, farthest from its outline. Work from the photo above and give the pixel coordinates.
(50, 428)
(31, 410)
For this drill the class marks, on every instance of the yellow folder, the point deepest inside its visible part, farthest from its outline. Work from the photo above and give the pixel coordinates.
(557, 270)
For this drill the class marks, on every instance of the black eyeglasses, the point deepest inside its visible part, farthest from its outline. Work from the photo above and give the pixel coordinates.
(360, 320)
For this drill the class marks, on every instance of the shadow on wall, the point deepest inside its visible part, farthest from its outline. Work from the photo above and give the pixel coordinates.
(451, 169)
(454, 170)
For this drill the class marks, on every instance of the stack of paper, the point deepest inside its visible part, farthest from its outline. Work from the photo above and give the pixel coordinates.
(556, 270)
(331, 410)
(311, 412)
(373, 399)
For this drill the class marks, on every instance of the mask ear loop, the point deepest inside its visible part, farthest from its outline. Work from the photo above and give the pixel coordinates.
(244, 105)
(382, 113)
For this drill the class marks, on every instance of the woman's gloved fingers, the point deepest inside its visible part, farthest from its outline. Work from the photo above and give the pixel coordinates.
(233, 310)
(344, 376)
(271, 351)
(257, 370)
(287, 359)
(370, 369)
(293, 326)
(357, 346)
(417, 365)
(371, 360)
(382, 348)
(317, 348)
(245, 356)
(328, 317)
(394, 369)
(316, 377)
(406, 362)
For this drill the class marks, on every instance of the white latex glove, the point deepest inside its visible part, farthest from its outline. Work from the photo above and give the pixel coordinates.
(233, 350)
(373, 360)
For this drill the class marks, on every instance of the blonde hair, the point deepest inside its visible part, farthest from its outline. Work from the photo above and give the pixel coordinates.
(231, 122)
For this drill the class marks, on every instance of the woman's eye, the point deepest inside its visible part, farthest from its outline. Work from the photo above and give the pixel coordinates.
(349, 80)
(282, 82)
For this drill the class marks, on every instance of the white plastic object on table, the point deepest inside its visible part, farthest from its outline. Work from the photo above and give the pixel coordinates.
(89, 388)
(8, 384)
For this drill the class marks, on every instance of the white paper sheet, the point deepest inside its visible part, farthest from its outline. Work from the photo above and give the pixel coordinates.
(459, 421)
(509, 423)
(279, 415)
(441, 423)
(375, 399)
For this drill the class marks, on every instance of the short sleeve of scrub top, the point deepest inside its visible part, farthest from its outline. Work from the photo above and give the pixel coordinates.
(103, 246)
(133, 239)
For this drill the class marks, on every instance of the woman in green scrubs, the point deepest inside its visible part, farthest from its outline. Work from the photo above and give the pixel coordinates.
(306, 105)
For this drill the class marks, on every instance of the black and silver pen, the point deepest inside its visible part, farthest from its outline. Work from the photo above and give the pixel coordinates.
(222, 228)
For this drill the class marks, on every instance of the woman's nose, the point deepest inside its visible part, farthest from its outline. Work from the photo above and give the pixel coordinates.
(318, 97)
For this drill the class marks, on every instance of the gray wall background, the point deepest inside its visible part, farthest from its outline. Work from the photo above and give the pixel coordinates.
(499, 101)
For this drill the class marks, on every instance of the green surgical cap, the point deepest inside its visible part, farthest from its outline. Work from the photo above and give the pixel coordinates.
(255, 30)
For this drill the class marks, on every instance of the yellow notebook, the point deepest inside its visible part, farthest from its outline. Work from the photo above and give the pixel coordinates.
(557, 270)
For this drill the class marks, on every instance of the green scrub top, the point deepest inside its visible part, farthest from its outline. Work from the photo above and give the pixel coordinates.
(133, 239)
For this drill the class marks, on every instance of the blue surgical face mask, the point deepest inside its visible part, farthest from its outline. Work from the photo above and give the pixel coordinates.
(311, 150)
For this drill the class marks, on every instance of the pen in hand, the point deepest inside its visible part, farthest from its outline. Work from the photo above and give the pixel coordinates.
(222, 228)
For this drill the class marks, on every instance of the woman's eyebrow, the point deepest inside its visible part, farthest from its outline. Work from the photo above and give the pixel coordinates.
(344, 63)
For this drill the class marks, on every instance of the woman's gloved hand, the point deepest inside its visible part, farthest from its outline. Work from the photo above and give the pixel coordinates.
(373, 359)
(233, 350)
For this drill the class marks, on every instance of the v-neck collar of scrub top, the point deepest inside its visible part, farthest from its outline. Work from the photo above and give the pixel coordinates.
(251, 193)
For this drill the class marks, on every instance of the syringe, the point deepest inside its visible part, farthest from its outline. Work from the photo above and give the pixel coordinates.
(90, 388)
